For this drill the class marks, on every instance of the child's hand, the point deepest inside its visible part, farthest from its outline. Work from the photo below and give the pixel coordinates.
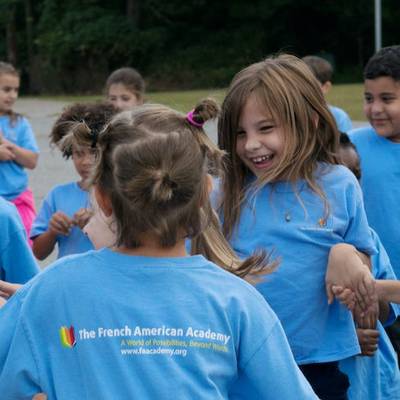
(347, 270)
(2, 301)
(39, 396)
(60, 224)
(368, 340)
(6, 153)
(81, 217)
(346, 296)
(366, 319)
(7, 289)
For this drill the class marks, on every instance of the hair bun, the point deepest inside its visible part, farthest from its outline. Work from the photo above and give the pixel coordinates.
(164, 187)
(206, 109)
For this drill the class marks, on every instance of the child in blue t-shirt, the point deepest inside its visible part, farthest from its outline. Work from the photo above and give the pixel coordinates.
(125, 88)
(323, 71)
(375, 373)
(149, 312)
(18, 148)
(66, 209)
(379, 148)
(284, 190)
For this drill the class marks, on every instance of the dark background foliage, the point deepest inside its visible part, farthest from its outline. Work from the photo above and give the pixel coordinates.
(70, 46)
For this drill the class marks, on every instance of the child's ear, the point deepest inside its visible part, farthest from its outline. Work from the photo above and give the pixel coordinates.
(326, 87)
(103, 200)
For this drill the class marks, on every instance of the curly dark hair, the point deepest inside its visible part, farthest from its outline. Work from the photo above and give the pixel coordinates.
(93, 115)
(386, 62)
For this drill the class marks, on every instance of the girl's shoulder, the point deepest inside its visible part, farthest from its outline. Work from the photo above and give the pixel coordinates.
(14, 120)
(332, 173)
(69, 188)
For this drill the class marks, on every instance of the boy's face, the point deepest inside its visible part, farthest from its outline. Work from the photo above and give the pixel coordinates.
(382, 106)
(83, 159)
(9, 86)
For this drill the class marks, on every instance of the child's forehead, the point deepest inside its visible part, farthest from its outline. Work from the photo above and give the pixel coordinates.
(80, 148)
(263, 104)
(382, 84)
(7, 79)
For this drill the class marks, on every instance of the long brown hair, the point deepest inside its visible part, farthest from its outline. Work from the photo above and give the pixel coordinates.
(286, 87)
(153, 164)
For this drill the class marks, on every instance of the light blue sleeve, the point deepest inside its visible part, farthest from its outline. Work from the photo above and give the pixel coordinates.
(272, 373)
(19, 375)
(345, 124)
(26, 137)
(41, 222)
(343, 121)
(358, 231)
(382, 269)
(17, 262)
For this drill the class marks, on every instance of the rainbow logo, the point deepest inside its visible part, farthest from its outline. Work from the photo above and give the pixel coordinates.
(67, 336)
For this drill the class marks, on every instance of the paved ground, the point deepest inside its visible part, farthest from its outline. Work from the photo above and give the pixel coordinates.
(52, 169)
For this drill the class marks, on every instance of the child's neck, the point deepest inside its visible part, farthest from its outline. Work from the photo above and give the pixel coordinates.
(151, 248)
(83, 184)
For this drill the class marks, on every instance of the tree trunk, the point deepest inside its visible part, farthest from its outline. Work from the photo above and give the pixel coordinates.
(133, 11)
(11, 36)
(29, 40)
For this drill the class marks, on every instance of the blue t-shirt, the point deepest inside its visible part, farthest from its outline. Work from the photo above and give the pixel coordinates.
(343, 121)
(376, 377)
(301, 236)
(68, 198)
(13, 178)
(125, 327)
(17, 264)
(380, 182)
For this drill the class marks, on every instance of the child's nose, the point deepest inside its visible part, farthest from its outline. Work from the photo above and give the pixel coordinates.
(252, 142)
(89, 159)
(376, 107)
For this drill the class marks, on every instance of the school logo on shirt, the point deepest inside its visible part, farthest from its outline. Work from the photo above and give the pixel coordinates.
(67, 336)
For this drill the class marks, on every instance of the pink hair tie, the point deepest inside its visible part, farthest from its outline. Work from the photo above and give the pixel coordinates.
(189, 117)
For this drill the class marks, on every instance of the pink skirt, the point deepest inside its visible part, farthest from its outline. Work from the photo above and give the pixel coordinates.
(25, 204)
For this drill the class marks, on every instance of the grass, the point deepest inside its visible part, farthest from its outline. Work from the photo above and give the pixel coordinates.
(350, 98)
(346, 96)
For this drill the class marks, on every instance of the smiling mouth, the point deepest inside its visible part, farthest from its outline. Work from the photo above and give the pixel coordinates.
(261, 159)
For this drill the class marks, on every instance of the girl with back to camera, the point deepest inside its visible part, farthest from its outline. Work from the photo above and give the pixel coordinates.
(285, 191)
(18, 148)
(153, 322)
(125, 88)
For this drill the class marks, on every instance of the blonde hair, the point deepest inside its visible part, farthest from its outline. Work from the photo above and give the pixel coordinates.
(289, 92)
(153, 164)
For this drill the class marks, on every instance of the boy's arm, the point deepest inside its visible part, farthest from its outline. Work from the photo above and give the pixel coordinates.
(388, 290)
